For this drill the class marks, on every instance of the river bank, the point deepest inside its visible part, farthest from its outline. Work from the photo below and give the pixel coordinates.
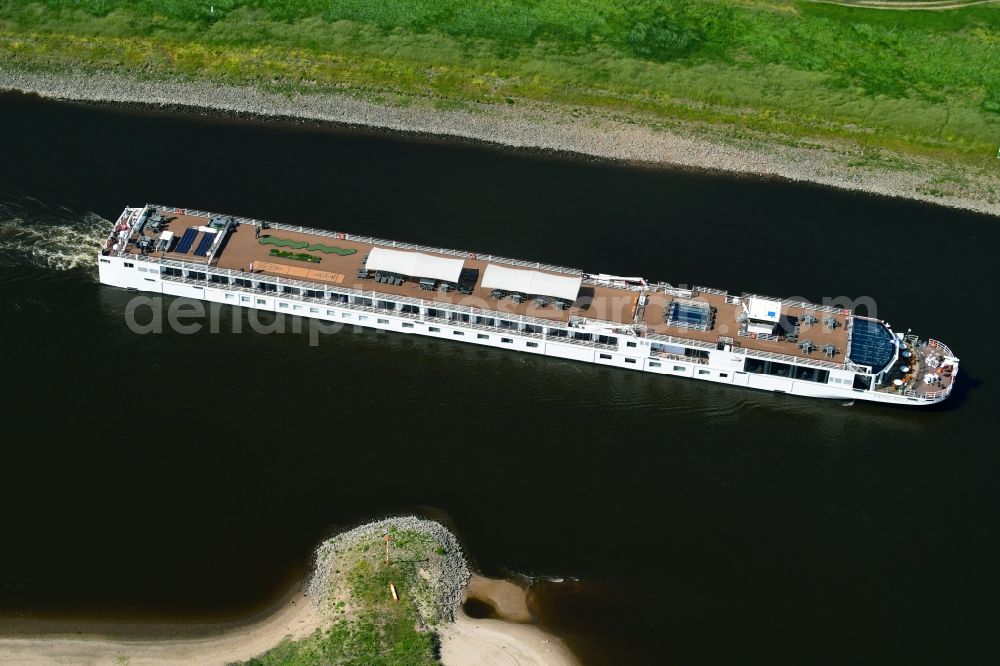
(320, 613)
(585, 132)
(25, 641)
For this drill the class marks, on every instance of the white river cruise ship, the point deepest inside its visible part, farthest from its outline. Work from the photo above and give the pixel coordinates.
(746, 340)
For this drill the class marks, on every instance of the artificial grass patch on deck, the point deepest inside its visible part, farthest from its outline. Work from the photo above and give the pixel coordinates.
(300, 256)
(303, 245)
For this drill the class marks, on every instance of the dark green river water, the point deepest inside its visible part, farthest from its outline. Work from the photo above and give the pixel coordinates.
(190, 476)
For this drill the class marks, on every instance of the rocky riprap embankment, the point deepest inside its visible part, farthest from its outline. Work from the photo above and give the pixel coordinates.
(445, 568)
(550, 127)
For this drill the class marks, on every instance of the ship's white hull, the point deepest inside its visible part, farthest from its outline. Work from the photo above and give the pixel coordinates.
(630, 353)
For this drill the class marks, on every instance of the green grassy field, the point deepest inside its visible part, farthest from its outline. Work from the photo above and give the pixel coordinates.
(370, 629)
(921, 82)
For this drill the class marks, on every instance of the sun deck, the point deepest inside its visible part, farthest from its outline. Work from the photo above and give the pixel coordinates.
(926, 369)
(825, 332)
(804, 331)
(242, 247)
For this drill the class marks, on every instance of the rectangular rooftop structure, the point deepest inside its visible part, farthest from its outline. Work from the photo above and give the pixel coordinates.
(415, 264)
(534, 283)
(763, 313)
(764, 310)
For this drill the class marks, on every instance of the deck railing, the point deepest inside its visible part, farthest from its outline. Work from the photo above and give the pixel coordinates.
(375, 296)
(482, 327)
(373, 309)
(709, 290)
(909, 394)
(372, 240)
(799, 304)
(576, 341)
(680, 342)
(677, 357)
(767, 337)
(788, 358)
(940, 347)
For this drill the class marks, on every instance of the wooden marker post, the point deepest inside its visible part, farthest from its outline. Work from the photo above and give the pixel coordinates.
(387, 539)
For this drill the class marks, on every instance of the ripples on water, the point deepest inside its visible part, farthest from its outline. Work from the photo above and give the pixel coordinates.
(704, 523)
(33, 233)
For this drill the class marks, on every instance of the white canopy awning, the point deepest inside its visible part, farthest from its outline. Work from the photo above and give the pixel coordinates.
(764, 309)
(414, 264)
(534, 283)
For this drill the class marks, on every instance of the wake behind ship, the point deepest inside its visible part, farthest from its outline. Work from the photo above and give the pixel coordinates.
(748, 340)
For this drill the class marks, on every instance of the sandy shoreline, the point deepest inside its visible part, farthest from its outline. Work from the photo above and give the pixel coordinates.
(547, 127)
(92, 642)
(465, 641)
(508, 639)
(469, 641)
(307, 607)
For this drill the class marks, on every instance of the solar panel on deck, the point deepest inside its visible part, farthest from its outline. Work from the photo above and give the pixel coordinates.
(186, 241)
(203, 245)
(872, 344)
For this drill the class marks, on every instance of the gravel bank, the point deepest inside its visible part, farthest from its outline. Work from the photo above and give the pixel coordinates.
(447, 572)
(296, 616)
(536, 126)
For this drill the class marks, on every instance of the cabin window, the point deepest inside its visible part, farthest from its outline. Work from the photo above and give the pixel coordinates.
(283, 305)
(630, 360)
(678, 368)
(811, 374)
(606, 357)
(483, 336)
(507, 341)
(703, 372)
(383, 321)
(261, 301)
(457, 333)
(630, 344)
(128, 265)
(434, 329)
(532, 344)
(654, 364)
(723, 374)
(407, 324)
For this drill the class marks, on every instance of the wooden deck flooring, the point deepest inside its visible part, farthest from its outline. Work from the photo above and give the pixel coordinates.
(613, 305)
(242, 247)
